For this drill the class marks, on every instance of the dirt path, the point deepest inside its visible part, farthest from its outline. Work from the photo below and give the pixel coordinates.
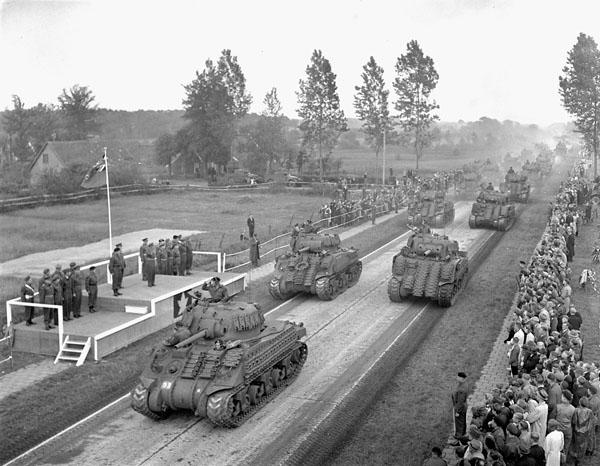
(92, 252)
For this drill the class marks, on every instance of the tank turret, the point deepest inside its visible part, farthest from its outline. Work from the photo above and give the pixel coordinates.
(515, 184)
(429, 266)
(223, 361)
(431, 207)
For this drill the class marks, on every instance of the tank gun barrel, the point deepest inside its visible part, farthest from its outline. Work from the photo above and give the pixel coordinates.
(193, 338)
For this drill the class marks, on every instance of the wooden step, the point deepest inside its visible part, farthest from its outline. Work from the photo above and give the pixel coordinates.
(81, 350)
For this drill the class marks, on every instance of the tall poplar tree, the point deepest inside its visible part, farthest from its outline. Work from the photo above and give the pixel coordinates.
(79, 112)
(579, 89)
(416, 79)
(371, 104)
(322, 118)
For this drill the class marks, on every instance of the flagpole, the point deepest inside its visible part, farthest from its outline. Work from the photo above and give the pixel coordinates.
(110, 245)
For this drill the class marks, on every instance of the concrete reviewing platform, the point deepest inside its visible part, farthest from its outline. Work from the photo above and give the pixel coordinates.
(121, 320)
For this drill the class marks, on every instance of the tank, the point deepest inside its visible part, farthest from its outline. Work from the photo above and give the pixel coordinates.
(317, 264)
(429, 266)
(492, 209)
(431, 208)
(516, 186)
(224, 362)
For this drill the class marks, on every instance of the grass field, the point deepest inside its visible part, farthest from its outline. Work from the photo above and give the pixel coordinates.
(357, 161)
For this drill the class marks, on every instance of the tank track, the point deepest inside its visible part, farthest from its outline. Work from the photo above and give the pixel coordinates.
(446, 295)
(431, 287)
(220, 405)
(353, 273)
(394, 290)
(399, 266)
(325, 290)
(139, 402)
(421, 279)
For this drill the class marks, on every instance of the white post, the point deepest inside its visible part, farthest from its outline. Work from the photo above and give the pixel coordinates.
(60, 328)
(110, 245)
(224, 260)
(383, 160)
(219, 263)
(8, 314)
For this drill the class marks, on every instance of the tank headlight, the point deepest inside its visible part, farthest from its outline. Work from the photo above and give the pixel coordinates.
(173, 367)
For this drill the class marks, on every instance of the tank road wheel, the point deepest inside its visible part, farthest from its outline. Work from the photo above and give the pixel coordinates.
(472, 221)
(354, 274)
(139, 402)
(254, 395)
(276, 377)
(220, 408)
(274, 288)
(325, 289)
(447, 295)
(394, 286)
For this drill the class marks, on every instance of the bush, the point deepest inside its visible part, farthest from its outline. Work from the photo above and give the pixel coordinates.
(14, 178)
(58, 182)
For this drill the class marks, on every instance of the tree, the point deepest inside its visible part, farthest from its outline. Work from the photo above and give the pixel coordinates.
(416, 79)
(214, 103)
(79, 112)
(17, 124)
(44, 124)
(322, 119)
(166, 148)
(371, 104)
(579, 89)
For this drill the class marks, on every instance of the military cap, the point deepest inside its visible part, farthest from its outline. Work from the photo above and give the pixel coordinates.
(72, 264)
(144, 239)
(462, 375)
(93, 267)
(175, 236)
(119, 245)
(161, 240)
(46, 270)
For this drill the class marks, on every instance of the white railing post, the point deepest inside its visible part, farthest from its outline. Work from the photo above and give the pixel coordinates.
(108, 275)
(8, 313)
(139, 261)
(219, 264)
(224, 261)
(60, 328)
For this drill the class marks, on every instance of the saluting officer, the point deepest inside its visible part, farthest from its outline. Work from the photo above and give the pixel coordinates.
(27, 294)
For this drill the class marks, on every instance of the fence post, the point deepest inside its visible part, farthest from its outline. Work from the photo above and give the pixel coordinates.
(224, 261)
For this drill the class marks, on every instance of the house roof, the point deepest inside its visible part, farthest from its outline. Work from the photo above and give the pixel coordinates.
(89, 151)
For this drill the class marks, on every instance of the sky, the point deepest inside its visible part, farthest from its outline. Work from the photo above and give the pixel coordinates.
(495, 58)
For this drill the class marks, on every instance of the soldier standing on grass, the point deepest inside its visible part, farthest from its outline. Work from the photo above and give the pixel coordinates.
(459, 405)
(250, 222)
(115, 267)
(77, 290)
(143, 250)
(27, 294)
(91, 286)
(150, 264)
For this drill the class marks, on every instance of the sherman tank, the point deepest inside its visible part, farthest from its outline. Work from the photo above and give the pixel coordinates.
(492, 209)
(224, 362)
(317, 264)
(516, 187)
(429, 266)
(431, 208)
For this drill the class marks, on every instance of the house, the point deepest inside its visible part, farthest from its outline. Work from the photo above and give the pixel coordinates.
(60, 155)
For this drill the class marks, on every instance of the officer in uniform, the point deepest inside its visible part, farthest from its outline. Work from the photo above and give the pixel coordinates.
(189, 256)
(27, 294)
(46, 292)
(176, 255)
(58, 278)
(169, 253)
(182, 256)
(123, 263)
(91, 286)
(143, 250)
(116, 267)
(161, 258)
(217, 291)
(68, 292)
(150, 264)
(77, 289)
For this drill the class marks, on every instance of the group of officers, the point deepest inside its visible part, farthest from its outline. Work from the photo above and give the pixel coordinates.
(170, 257)
(61, 287)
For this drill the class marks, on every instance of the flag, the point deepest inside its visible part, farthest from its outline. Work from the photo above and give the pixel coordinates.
(95, 177)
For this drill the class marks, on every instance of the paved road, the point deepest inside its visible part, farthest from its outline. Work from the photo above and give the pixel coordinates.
(345, 338)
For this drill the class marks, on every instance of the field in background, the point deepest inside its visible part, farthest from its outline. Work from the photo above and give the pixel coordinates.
(357, 161)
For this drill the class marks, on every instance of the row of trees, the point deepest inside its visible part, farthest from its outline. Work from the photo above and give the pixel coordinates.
(217, 100)
(579, 89)
(27, 129)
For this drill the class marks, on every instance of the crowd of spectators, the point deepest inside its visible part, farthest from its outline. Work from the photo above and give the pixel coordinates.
(548, 411)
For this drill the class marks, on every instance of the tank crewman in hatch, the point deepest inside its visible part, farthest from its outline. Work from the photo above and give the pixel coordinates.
(183, 327)
(217, 291)
(489, 187)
